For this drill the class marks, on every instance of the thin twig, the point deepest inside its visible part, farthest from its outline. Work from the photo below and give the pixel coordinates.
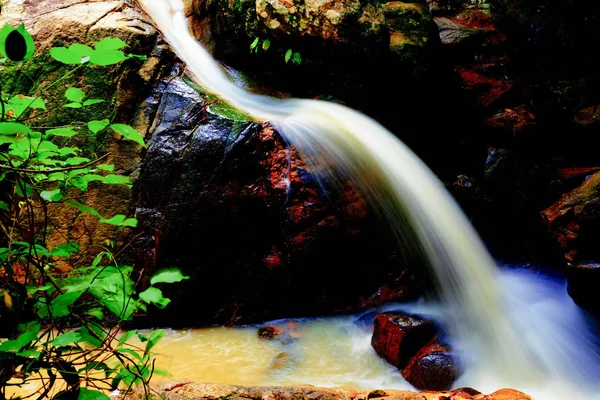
(38, 171)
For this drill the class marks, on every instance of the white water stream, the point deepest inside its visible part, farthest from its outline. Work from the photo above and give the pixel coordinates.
(505, 341)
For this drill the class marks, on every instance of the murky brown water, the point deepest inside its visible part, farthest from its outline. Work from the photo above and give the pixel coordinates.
(331, 352)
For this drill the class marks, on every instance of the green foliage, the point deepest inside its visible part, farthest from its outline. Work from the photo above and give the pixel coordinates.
(67, 337)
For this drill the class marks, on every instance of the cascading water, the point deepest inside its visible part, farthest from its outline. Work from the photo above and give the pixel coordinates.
(502, 350)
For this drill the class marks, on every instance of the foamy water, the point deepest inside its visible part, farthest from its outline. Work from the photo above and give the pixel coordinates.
(504, 340)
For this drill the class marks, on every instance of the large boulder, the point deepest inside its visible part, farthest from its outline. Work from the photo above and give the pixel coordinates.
(225, 199)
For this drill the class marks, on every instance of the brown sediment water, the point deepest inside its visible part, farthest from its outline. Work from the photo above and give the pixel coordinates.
(324, 352)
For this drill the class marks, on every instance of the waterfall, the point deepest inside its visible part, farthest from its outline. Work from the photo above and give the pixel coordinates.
(424, 216)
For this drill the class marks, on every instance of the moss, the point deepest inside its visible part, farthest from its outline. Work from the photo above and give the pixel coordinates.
(38, 77)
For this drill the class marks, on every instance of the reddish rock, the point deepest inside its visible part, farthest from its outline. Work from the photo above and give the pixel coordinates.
(588, 116)
(583, 282)
(397, 337)
(504, 394)
(576, 173)
(488, 90)
(514, 121)
(468, 24)
(432, 368)
(577, 211)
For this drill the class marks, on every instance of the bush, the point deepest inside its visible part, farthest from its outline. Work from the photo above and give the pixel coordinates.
(64, 327)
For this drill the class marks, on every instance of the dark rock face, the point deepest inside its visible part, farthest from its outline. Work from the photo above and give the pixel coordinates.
(414, 345)
(583, 282)
(229, 202)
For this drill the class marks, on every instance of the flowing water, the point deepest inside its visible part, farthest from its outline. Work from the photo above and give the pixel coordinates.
(500, 346)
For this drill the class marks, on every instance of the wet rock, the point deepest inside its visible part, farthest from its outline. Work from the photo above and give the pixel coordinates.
(514, 121)
(397, 337)
(243, 216)
(486, 89)
(588, 116)
(269, 332)
(432, 368)
(583, 282)
(574, 221)
(285, 333)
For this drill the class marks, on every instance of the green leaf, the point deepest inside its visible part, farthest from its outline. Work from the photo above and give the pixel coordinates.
(59, 307)
(266, 44)
(66, 56)
(30, 353)
(90, 102)
(154, 338)
(120, 220)
(155, 296)
(64, 151)
(14, 128)
(107, 57)
(63, 132)
(47, 146)
(75, 94)
(4, 206)
(110, 44)
(73, 105)
(288, 55)
(171, 275)
(51, 195)
(23, 340)
(128, 133)
(76, 160)
(84, 208)
(297, 58)
(87, 394)
(113, 179)
(66, 338)
(130, 352)
(106, 167)
(81, 50)
(87, 337)
(128, 335)
(254, 43)
(16, 43)
(65, 249)
(96, 126)
(96, 313)
(19, 104)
